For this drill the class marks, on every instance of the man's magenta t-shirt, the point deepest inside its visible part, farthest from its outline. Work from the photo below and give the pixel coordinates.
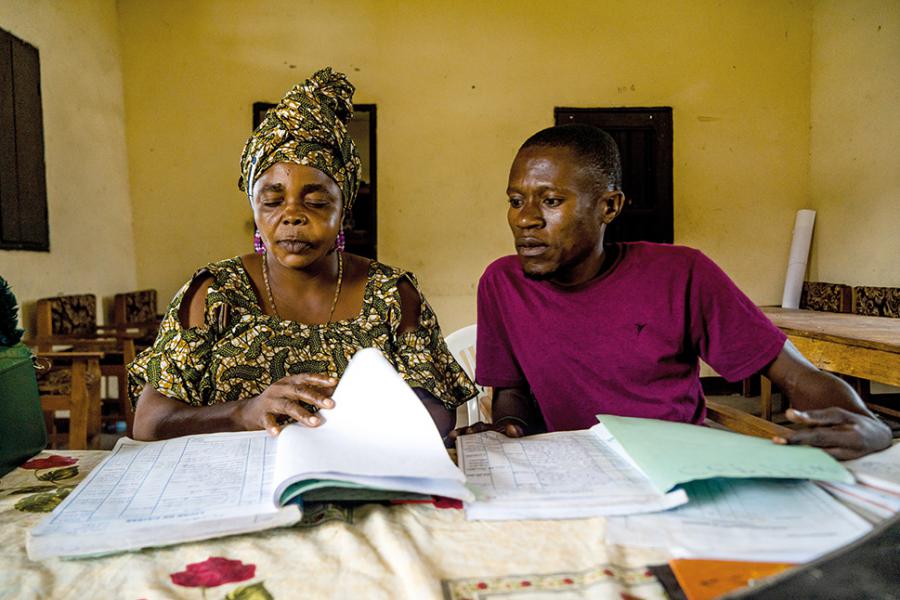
(626, 343)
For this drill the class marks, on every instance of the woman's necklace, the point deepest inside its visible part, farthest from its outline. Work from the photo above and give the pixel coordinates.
(337, 287)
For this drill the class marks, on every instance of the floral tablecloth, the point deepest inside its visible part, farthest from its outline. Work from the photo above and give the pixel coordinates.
(371, 551)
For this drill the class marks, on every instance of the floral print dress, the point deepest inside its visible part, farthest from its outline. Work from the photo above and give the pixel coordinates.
(240, 350)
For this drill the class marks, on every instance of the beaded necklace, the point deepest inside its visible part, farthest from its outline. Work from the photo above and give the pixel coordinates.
(337, 287)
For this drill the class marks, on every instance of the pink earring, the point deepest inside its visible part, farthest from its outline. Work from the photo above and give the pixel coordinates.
(341, 242)
(258, 243)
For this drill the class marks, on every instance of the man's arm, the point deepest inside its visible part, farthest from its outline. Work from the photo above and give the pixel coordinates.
(514, 413)
(833, 415)
(517, 406)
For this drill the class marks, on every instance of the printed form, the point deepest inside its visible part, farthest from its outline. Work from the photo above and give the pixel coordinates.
(561, 475)
(206, 485)
(745, 519)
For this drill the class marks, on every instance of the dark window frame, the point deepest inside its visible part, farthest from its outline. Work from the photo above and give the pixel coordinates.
(24, 219)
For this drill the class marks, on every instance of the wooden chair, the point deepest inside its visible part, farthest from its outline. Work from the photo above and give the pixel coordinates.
(70, 323)
(877, 301)
(827, 297)
(70, 381)
(135, 313)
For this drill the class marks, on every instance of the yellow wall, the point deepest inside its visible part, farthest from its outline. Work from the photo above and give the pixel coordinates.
(91, 241)
(459, 85)
(855, 171)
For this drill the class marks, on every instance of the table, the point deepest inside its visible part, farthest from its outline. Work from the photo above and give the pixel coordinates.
(864, 347)
(373, 551)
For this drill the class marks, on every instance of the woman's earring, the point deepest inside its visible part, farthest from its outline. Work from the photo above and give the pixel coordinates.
(341, 242)
(258, 243)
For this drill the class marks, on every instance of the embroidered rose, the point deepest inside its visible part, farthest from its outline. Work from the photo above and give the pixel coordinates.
(51, 495)
(212, 572)
(54, 460)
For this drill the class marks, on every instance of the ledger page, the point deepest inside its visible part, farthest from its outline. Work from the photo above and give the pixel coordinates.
(155, 486)
(565, 474)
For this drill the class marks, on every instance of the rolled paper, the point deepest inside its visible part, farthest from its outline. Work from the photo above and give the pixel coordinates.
(796, 269)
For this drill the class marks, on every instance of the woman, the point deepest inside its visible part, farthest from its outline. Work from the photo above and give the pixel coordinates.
(256, 340)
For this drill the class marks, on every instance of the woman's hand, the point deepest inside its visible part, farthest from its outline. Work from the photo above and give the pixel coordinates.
(285, 398)
(837, 431)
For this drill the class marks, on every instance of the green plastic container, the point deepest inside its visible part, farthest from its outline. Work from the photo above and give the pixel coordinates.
(22, 430)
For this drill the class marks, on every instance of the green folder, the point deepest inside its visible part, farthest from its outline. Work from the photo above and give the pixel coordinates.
(672, 453)
(22, 431)
(330, 490)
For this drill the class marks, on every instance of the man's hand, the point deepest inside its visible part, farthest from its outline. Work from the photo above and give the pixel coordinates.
(839, 432)
(833, 415)
(285, 398)
(513, 430)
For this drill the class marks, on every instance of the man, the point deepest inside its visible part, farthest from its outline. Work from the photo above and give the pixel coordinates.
(571, 328)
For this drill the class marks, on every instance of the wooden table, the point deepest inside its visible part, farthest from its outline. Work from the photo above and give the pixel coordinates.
(864, 347)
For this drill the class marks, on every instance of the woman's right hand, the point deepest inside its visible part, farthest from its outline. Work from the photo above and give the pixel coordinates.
(285, 398)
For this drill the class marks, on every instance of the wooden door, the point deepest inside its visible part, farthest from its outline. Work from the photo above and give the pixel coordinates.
(644, 137)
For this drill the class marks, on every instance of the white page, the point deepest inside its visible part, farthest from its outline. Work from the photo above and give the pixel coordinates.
(568, 474)
(114, 536)
(872, 501)
(378, 428)
(745, 519)
(151, 487)
(881, 470)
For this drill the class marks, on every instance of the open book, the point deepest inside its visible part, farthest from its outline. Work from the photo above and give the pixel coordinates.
(379, 441)
(560, 475)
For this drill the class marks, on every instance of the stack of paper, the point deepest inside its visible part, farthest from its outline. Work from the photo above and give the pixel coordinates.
(745, 519)
(877, 491)
(562, 475)
(747, 497)
(880, 470)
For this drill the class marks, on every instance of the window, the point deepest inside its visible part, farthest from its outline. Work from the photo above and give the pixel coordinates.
(23, 189)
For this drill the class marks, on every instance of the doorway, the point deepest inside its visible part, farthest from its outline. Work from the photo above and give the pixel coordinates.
(361, 226)
(644, 137)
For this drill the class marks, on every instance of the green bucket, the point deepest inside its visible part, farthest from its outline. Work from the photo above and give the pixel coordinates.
(22, 430)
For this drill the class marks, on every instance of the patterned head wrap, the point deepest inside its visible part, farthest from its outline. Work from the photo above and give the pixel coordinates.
(308, 127)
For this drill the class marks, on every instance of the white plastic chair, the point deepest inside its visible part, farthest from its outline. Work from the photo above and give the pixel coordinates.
(462, 345)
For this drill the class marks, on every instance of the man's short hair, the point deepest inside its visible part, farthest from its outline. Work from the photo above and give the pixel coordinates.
(592, 145)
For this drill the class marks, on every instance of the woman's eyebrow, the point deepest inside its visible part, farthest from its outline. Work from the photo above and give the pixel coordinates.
(309, 188)
(272, 187)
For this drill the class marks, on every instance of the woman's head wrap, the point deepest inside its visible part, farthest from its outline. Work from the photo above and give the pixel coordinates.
(308, 127)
